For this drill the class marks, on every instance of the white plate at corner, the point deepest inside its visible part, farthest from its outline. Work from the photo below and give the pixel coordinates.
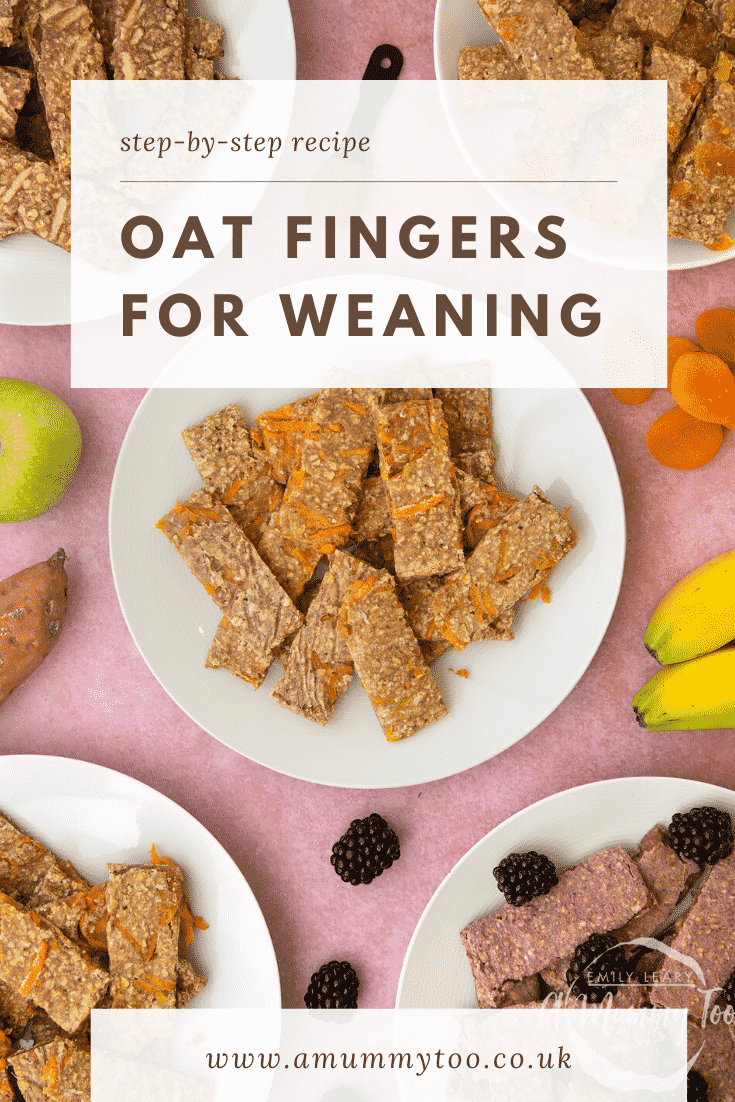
(90, 815)
(569, 826)
(460, 23)
(549, 438)
(259, 45)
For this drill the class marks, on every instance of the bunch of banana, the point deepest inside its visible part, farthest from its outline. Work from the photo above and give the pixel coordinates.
(687, 634)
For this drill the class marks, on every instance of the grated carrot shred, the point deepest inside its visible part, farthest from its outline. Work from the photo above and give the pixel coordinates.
(236, 485)
(50, 1075)
(420, 506)
(39, 959)
(129, 937)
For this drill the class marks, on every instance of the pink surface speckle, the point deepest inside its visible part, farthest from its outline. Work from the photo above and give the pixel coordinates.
(95, 699)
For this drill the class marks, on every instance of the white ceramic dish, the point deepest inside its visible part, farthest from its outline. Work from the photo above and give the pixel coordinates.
(90, 815)
(569, 827)
(460, 23)
(259, 45)
(546, 437)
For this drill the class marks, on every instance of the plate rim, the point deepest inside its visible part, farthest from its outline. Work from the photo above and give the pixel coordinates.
(30, 761)
(565, 793)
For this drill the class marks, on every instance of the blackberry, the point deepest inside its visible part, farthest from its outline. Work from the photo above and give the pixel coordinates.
(703, 834)
(367, 849)
(333, 987)
(523, 876)
(728, 990)
(696, 1087)
(591, 963)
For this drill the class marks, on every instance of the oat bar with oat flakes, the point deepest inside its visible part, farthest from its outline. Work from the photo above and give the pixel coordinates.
(319, 667)
(468, 417)
(540, 38)
(597, 895)
(415, 598)
(387, 657)
(9, 19)
(24, 861)
(686, 83)
(279, 434)
(618, 56)
(149, 40)
(422, 488)
(669, 878)
(654, 20)
(64, 47)
(144, 911)
(705, 935)
(16, 1011)
(291, 562)
(323, 490)
(60, 898)
(188, 983)
(14, 87)
(723, 13)
(34, 197)
(508, 562)
(372, 518)
(203, 42)
(702, 193)
(487, 63)
(224, 560)
(697, 35)
(231, 650)
(38, 961)
(59, 1071)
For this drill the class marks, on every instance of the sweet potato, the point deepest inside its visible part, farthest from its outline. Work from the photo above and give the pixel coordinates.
(32, 607)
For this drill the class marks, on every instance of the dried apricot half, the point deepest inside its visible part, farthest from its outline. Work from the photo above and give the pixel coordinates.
(680, 441)
(702, 385)
(632, 395)
(716, 332)
(675, 347)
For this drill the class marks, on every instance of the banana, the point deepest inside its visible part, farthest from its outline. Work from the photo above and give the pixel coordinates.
(696, 616)
(692, 696)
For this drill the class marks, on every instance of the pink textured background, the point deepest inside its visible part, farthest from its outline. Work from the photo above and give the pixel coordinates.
(95, 699)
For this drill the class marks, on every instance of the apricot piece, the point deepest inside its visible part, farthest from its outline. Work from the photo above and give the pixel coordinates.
(682, 442)
(716, 332)
(675, 347)
(703, 386)
(632, 395)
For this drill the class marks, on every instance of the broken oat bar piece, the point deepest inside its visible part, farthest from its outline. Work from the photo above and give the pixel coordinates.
(188, 983)
(224, 560)
(540, 38)
(697, 35)
(686, 83)
(60, 898)
(24, 861)
(279, 433)
(39, 962)
(64, 47)
(387, 657)
(511, 560)
(618, 56)
(668, 877)
(59, 1071)
(203, 43)
(14, 87)
(723, 13)
(292, 563)
(702, 192)
(705, 935)
(231, 650)
(598, 895)
(34, 197)
(487, 63)
(654, 20)
(372, 518)
(423, 496)
(149, 40)
(144, 912)
(715, 1051)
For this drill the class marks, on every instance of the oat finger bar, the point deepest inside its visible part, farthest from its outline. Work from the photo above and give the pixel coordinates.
(697, 35)
(60, 898)
(598, 895)
(279, 433)
(468, 417)
(387, 657)
(149, 40)
(686, 83)
(487, 63)
(202, 43)
(39, 962)
(293, 563)
(224, 560)
(144, 910)
(14, 87)
(654, 20)
(372, 519)
(24, 861)
(34, 197)
(422, 488)
(510, 560)
(540, 38)
(59, 1071)
(231, 650)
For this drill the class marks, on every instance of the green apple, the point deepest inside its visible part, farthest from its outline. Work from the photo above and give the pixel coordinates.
(40, 444)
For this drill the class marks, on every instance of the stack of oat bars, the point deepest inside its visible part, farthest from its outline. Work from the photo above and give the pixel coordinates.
(44, 45)
(689, 43)
(360, 530)
(66, 947)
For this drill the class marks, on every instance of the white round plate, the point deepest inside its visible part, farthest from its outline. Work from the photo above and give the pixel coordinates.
(90, 815)
(259, 45)
(549, 438)
(569, 826)
(460, 23)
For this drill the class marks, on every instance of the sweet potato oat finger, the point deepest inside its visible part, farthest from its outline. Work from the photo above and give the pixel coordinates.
(144, 913)
(59, 1071)
(280, 433)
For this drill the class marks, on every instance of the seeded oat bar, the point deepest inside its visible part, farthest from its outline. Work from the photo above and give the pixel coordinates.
(149, 40)
(144, 906)
(422, 488)
(540, 38)
(8, 21)
(686, 83)
(56, 1072)
(40, 962)
(487, 63)
(598, 895)
(512, 559)
(224, 560)
(703, 188)
(14, 86)
(388, 659)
